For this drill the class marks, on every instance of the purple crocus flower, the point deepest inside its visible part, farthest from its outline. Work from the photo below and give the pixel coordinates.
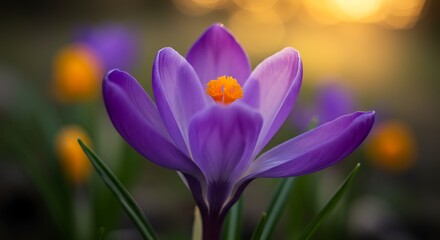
(332, 101)
(115, 45)
(214, 137)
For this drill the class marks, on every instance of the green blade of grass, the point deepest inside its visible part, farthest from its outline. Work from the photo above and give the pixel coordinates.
(276, 205)
(256, 235)
(317, 220)
(106, 207)
(233, 222)
(123, 196)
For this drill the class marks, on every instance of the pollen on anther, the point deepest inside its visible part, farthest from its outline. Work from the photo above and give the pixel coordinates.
(224, 90)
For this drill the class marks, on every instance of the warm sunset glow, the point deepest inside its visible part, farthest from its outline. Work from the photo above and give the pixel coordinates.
(287, 9)
(256, 30)
(252, 5)
(319, 11)
(358, 9)
(396, 14)
(199, 7)
(403, 14)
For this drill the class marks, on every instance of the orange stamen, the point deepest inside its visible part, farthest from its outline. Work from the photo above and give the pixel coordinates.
(224, 90)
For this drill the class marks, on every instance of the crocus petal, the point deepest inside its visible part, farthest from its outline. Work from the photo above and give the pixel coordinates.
(222, 140)
(197, 186)
(278, 80)
(178, 93)
(316, 149)
(136, 118)
(216, 53)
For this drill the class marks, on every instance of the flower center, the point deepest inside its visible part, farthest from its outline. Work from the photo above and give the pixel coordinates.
(224, 90)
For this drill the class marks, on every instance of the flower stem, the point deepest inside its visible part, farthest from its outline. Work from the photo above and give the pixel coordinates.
(212, 226)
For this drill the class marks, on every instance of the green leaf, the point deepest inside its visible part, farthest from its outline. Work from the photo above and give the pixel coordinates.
(276, 206)
(124, 197)
(233, 222)
(302, 204)
(317, 220)
(106, 207)
(256, 235)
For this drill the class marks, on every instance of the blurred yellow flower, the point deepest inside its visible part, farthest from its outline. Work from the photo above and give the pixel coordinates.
(392, 146)
(74, 162)
(77, 74)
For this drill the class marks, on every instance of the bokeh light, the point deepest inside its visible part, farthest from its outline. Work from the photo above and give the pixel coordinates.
(319, 11)
(403, 14)
(199, 7)
(394, 14)
(258, 32)
(287, 9)
(358, 9)
(252, 5)
(391, 13)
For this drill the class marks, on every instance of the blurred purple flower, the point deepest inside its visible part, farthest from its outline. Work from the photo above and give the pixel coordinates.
(216, 147)
(115, 45)
(332, 101)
